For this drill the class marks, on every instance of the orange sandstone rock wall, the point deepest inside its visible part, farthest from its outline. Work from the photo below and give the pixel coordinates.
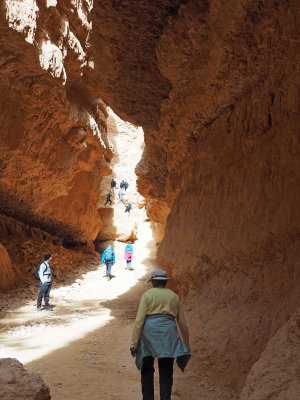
(52, 127)
(215, 86)
(6, 271)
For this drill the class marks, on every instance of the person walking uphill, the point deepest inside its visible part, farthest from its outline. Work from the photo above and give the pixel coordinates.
(108, 257)
(113, 184)
(128, 208)
(45, 277)
(155, 335)
(108, 198)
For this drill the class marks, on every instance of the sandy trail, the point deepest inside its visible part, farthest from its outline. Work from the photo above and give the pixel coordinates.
(81, 349)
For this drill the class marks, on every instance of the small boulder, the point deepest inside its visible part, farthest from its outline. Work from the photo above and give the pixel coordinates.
(17, 383)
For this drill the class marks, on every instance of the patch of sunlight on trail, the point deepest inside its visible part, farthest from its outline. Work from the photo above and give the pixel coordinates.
(28, 335)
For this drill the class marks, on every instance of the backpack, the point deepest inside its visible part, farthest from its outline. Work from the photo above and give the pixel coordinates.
(37, 271)
(126, 184)
(128, 247)
(109, 254)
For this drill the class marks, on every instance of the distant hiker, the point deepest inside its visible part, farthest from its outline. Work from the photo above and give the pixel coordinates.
(128, 255)
(128, 208)
(155, 335)
(45, 277)
(108, 198)
(108, 257)
(126, 184)
(121, 194)
(113, 184)
(122, 184)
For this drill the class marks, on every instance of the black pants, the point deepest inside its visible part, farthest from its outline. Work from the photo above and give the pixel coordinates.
(108, 200)
(165, 366)
(44, 292)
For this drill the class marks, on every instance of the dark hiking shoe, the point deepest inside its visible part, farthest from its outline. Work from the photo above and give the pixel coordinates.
(48, 308)
(39, 308)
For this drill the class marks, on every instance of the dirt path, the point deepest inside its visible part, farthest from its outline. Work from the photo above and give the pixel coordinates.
(81, 348)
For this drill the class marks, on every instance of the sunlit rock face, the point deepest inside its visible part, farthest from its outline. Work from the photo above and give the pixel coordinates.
(127, 141)
(215, 86)
(53, 128)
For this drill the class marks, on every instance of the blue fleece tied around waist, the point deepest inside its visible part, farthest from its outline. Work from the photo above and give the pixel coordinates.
(160, 339)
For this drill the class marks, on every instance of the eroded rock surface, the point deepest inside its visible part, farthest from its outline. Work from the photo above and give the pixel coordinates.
(223, 153)
(6, 271)
(215, 86)
(53, 128)
(17, 383)
(273, 375)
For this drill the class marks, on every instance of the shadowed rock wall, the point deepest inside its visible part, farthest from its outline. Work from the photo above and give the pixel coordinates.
(222, 152)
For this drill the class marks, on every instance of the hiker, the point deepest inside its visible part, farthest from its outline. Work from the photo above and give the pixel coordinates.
(108, 198)
(155, 335)
(113, 184)
(126, 184)
(128, 208)
(121, 194)
(128, 256)
(122, 185)
(45, 283)
(108, 257)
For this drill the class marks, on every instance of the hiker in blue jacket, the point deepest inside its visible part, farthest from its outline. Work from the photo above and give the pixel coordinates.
(108, 257)
(128, 208)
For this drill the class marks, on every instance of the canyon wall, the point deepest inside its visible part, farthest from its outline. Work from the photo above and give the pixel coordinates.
(215, 86)
(54, 149)
(53, 128)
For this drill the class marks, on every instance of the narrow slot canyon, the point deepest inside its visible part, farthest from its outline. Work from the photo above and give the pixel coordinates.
(195, 103)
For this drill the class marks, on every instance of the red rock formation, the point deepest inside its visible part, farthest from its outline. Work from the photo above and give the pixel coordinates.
(215, 86)
(53, 129)
(6, 272)
(222, 151)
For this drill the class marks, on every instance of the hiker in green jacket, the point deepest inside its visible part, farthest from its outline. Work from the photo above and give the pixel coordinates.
(155, 335)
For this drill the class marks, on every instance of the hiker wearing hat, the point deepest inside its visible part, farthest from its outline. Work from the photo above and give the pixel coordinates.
(155, 335)
(45, 277)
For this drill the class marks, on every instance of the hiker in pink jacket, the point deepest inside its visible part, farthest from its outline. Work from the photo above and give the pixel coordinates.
(128, 256)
